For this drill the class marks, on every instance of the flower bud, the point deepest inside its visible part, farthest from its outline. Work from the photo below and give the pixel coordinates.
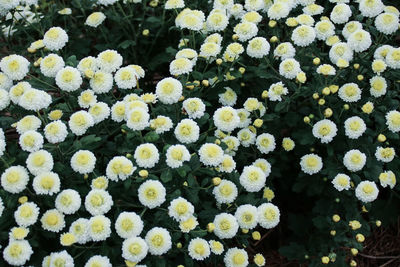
(143, 173)
(256, 235)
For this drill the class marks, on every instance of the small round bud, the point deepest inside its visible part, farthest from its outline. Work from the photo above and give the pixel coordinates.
(181, 98)
(306, 119)
(258, 123)
(315, 96)
(356, 66)
(316, 61)
(346, 106)
(336, 218)
(325, 260)
(273, 39)
(354, 251)
(179, 245)
(333, 232)
(85, 176)
(264, 94)
(353, 263)
(378, 223)
(245, 231)
(210, 227)
(272, 23)
(22, 199)
(128, 155)
(337, 200)
(146, 32)
(256, 235)
(242, 70)
(381, 138)
(216, 181)
(333, 88)
(311, 116)
(321, 102)
(360, 77)
(205, 83)
(328, 112)
(360, 238)
(326, 91)
(143, 173)
(235, 37)
(218, 61)
(242, 84)
(185, 183)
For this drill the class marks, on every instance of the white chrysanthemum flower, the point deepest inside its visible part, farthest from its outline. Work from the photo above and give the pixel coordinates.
(87, 63)
(254, 5)
(34, 100)
(341, 182)
(151, 194)
(304, 19)
(79, 229)
(199, 249)
(14, 179)
(351, 27)
(278, 10)
(128, 224)
(354, 127)
(311, 163)
(17, 252)
(169, 90)
(26, 214)
(5, 81)
(99, 228)
(190, 19)
(99, 111)
(245, 30)
(98, 261)
(228, 98)
(14, 66)
(226, 119)
(268, 215)
(194, 107)
(340, 51)
(118, 111)
(53, 221)
(303, 35)
(119, 168)
(367, 191)
(236, 11)
(236, 257)
(134, 249)
(285, 51)
(98, 202)
(228, 164)
(180, 66)
(392, 58)
(18, 90)
(68, 79)
(39, 161)
(137, 119)
(28, 123)
(101, 82)
(106, 2)
(126, 78)
(387, 178)
(354, 160)
(31, 141)
(209, 50)
(46, 183)
(247, 216)
(55, 38)
(4, 99)
(371, 8)
(232, 143)
(252, 178)
(233, 51)
(385, 154)
(211, 154)
(223, 4)
(51, 64)
(55, 132)
(83, 161)
(350, 92)
(387, 23)
(109, 60)
(244, 116)
(325, 130)
(246, 137)
(393, 121)
(87, 98)
(68, 201)
(326, 69)
(225, 192)
(378, 86)
(264, 165)
(80, 121)
(62, 257)
(132, 104)
(180, 209)
(174, 4)
(324, 29)
(311, 8)
(258, 47)
(226, 225)
(161, 124)
(289, 68)
(252, 16)
(159, 241)
(265, 143)
(359, 41)
(146, 155)
(187, 131)
(176, 155)
(188, 225)
(340, 14)
(95, 19)
(217, 21)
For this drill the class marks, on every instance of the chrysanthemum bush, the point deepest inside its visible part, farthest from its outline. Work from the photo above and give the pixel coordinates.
(166, 133)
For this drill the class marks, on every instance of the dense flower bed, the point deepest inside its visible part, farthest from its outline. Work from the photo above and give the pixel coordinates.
(166, 133)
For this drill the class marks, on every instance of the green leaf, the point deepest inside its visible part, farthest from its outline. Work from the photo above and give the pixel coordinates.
(166, 176)
(127, 43)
